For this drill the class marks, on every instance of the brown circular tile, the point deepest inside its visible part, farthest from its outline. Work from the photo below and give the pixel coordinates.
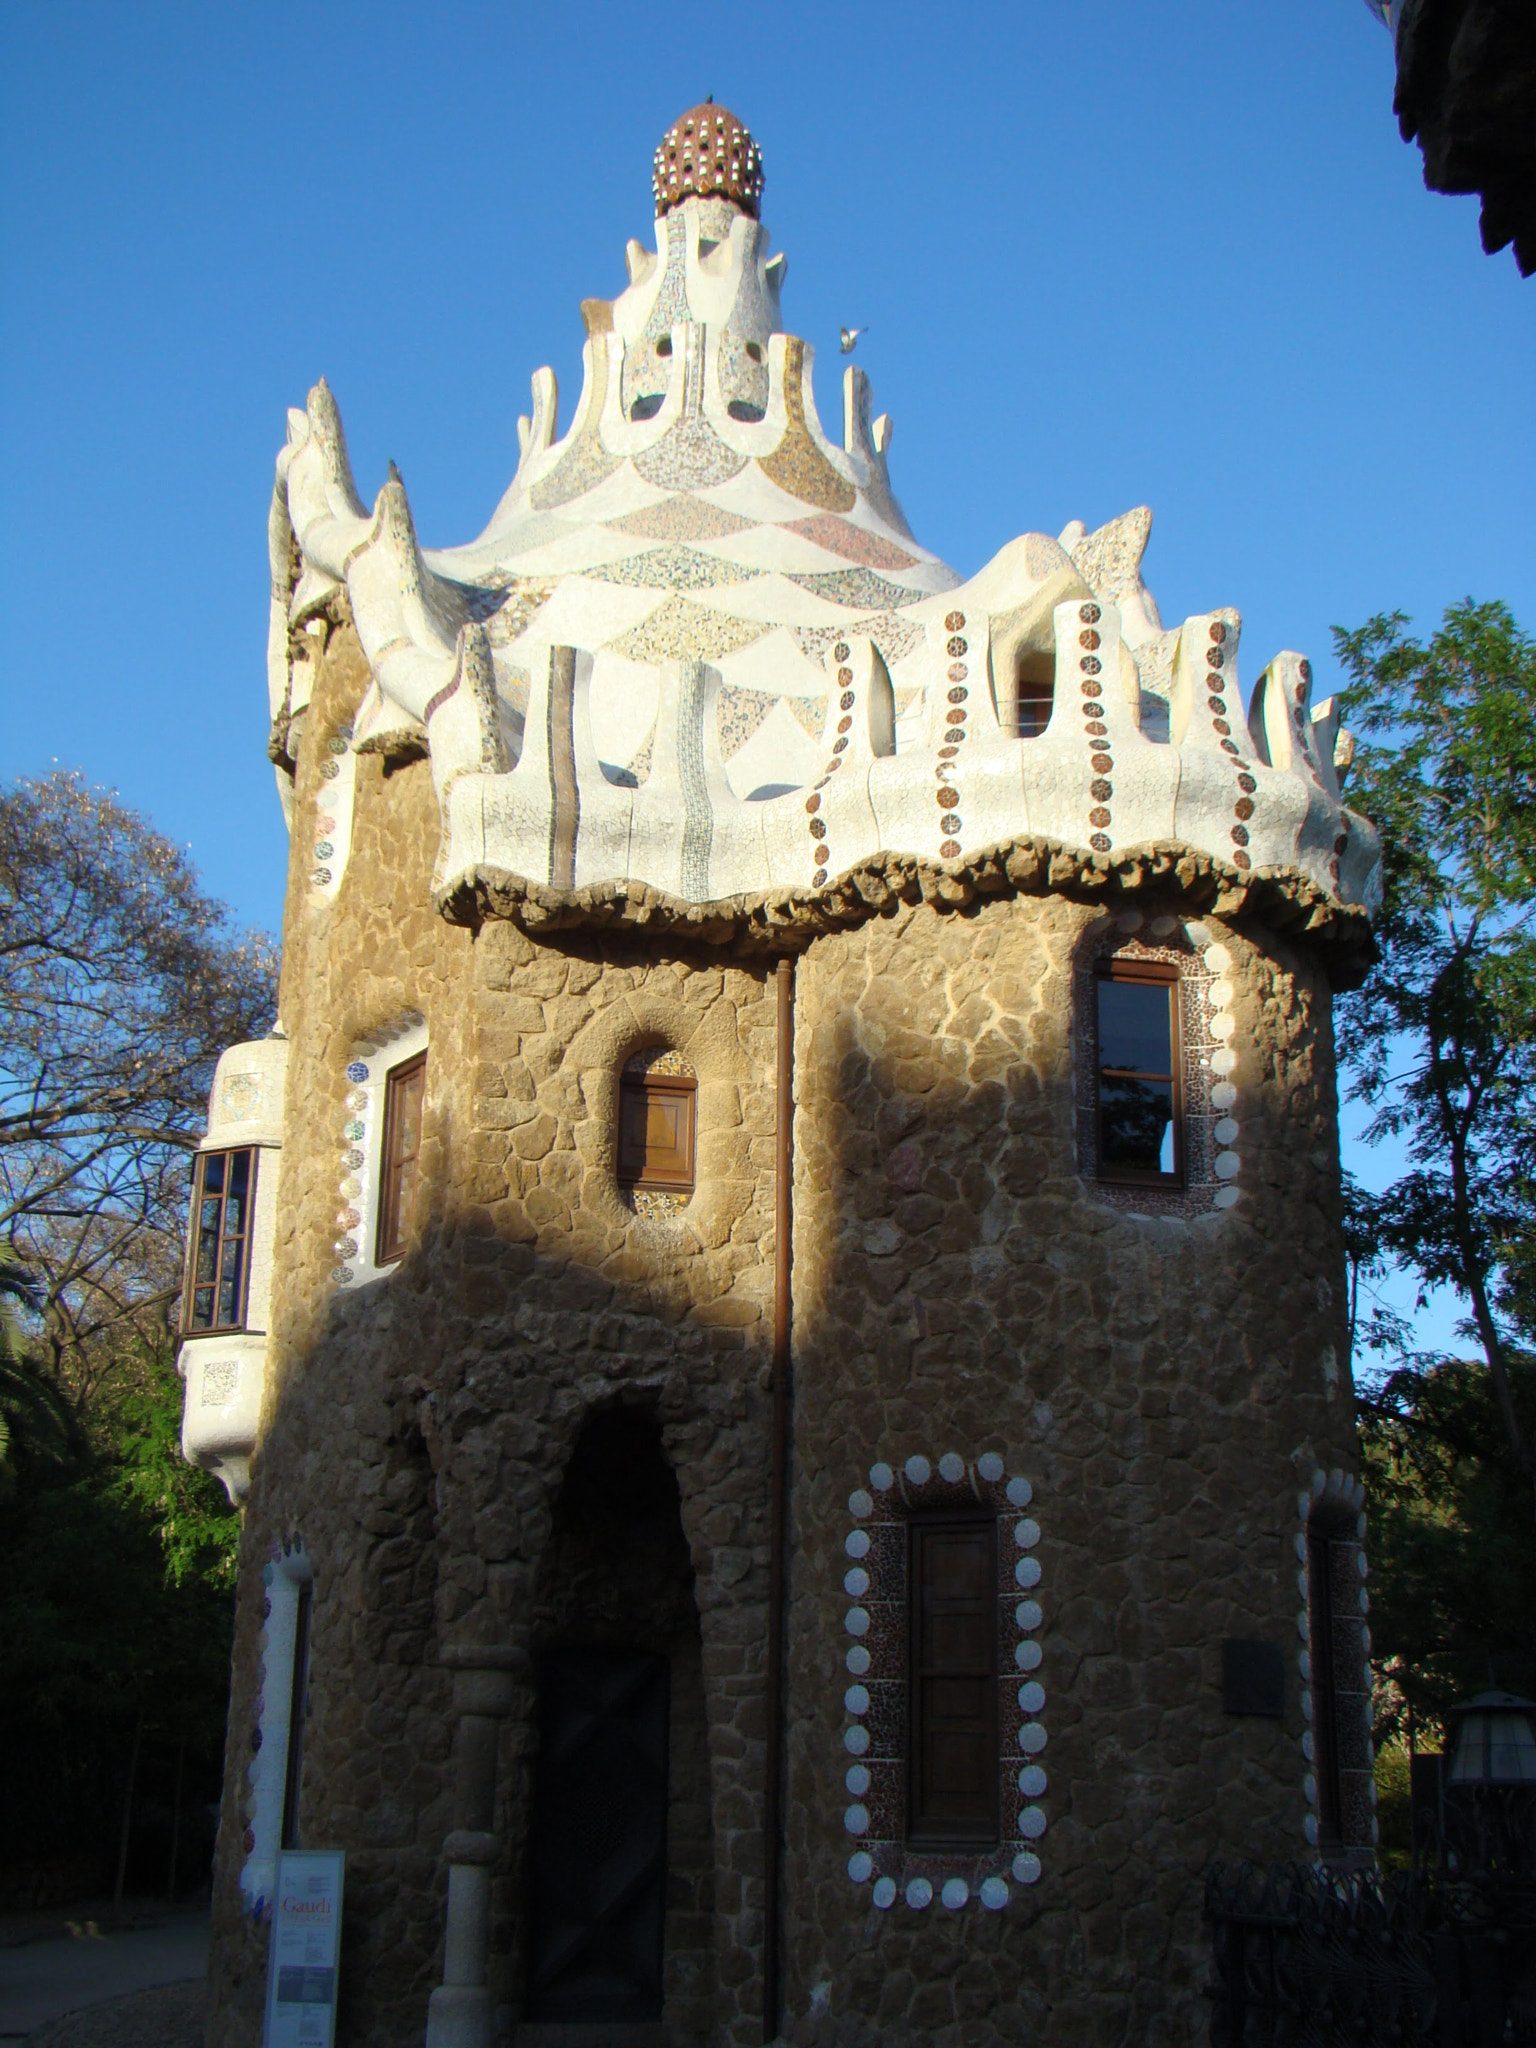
(1090, 664)
(958, 646)
(954, 622)
(947, 799)
(1100, 842)
(950, 850)
(1241, 859)
(1240, 835)
(950, 822)
(1220, 725)
(1218, 705)
(813, 804)
(1088, 639)
(1247, 782)
(1243, 808)
(1101, 791)
(839, 745)
(845, 725)
(958, 671)
(1098, 816)
(1101, 763)
(1214, 657)
(840, 653)
(845, 702)
(1218, 631)
(954, 718)
(818, 828)
(1089, 614)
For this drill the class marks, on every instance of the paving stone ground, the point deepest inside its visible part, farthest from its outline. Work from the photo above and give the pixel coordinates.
(170, 2016)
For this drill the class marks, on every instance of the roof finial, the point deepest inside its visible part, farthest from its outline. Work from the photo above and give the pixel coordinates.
(708, 154)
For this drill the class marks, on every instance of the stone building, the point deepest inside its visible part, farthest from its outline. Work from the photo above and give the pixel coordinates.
(775, 1298)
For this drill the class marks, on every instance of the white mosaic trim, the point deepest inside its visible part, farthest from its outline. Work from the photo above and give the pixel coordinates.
(333, 816)
(267, 1773)
(1222, 1024)
(1338, 1491)
(1207, 1027)
(372, 1061)
(885, 1863)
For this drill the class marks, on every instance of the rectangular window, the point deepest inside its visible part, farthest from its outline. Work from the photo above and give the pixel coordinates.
(403, 1095)
(1138, 1074)
(293, 1769)
(1325, 1557)
(952, 1790)
(656, 1130)
(218, 1254)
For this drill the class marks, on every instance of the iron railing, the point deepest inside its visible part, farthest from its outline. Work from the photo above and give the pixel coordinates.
(1317, 1957)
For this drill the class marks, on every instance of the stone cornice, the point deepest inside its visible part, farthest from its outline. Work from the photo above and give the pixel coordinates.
(788, 920)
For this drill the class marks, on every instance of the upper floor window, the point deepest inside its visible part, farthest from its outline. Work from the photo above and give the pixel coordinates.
(218, 1257)
(952, 1794)
(1139, 1112)
(657, 1095)
(398, 1158)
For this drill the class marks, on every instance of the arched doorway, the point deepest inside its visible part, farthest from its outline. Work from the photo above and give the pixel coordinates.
(620, 1858)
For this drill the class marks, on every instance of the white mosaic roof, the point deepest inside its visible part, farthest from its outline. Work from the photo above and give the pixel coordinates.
(698, 646)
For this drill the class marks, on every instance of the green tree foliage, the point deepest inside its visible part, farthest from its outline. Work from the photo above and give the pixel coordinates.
(1441, 1043)
(119, 986)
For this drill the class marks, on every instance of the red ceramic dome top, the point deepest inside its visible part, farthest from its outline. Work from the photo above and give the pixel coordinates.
(706, 153)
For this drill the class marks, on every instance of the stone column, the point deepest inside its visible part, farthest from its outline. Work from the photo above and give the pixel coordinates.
(459, 2013)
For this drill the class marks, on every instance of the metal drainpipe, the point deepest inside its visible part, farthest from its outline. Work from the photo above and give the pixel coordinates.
(459, 2012)
(778, 1509)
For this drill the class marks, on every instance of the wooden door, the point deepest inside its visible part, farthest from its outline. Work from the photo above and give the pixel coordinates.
(597, 1877)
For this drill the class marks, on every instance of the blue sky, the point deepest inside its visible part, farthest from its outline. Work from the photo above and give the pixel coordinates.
(1108, 254)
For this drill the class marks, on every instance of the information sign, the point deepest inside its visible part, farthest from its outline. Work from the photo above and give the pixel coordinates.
(305, 1949)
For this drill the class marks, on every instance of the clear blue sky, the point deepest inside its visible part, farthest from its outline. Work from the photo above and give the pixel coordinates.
(1108, 252)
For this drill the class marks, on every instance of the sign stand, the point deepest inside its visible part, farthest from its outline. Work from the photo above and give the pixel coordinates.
(305, 1950)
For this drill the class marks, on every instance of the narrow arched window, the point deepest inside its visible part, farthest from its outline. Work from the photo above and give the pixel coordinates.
(399, 1154)
(1139, 1110)
(657, 1096)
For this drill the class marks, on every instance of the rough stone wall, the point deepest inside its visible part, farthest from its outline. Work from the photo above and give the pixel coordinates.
(416, 1432)
(1165, 1384)
(957, 1287)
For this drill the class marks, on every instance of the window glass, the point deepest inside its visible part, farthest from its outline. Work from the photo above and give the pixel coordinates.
(1138, 1101)
(223, 1187)
(953, 1788)
(404, 1095)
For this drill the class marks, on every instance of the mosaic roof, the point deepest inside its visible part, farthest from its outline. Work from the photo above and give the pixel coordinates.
(698, 645)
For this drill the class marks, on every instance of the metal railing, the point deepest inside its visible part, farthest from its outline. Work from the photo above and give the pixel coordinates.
(1316, 1957)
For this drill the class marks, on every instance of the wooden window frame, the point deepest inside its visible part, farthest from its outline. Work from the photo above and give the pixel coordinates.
(645, 1086)
(390, 1234)
(1146, 973)
(921, 1833)
(191, 1286)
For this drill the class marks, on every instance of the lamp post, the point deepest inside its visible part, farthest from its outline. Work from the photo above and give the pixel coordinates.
(1490, 1790)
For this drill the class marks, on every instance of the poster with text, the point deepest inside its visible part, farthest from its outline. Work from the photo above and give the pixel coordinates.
(305, 1949)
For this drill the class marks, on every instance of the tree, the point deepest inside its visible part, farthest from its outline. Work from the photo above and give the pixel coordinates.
(119, 986)
(1441, 1039)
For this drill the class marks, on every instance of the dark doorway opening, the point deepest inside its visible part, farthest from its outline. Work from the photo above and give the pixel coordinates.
(618, 1881)
(599, 1842)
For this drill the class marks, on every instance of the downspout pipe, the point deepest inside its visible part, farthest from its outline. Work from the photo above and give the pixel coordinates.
(778, 1505)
